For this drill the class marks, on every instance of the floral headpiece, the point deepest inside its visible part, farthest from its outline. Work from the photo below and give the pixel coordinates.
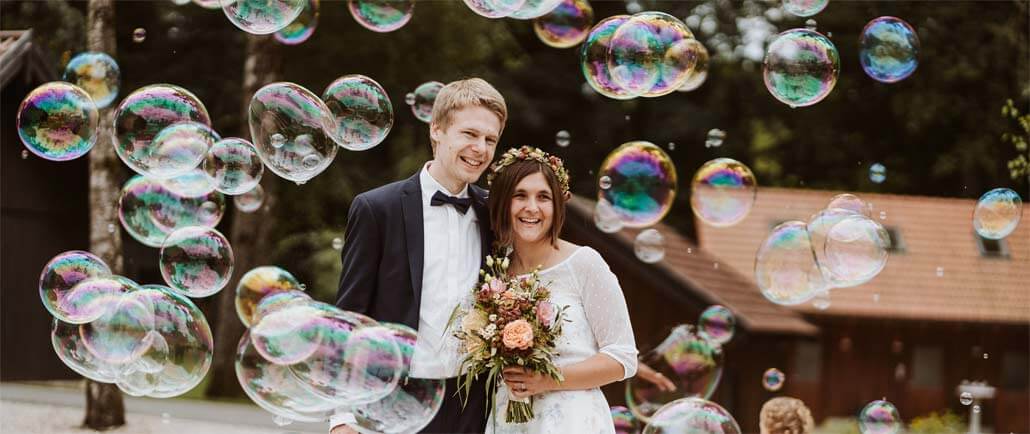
(534, 154)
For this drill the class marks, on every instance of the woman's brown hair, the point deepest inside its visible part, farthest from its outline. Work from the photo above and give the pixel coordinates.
(502, 188)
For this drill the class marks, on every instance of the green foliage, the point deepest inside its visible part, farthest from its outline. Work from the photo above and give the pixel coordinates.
(933, 423)
(1019, 167)
(838, 425)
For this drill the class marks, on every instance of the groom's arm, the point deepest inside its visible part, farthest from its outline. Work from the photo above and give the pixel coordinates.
(361, 252)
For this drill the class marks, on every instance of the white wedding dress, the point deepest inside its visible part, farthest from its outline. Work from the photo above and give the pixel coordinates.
(597, 322)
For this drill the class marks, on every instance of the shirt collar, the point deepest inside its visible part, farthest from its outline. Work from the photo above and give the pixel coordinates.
(430, 186)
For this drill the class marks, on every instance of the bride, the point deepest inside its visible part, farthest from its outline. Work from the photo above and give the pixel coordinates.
(529, 189)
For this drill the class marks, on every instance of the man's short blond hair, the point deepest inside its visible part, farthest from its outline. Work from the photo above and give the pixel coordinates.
(785, 415)
(469, 92)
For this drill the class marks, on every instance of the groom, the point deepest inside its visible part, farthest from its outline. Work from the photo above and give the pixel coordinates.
(414, 248)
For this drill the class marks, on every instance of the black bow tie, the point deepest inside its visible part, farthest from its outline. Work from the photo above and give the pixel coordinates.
(461, 204)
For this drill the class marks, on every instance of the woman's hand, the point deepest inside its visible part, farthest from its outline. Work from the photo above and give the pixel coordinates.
(524, 383)
(648, 374)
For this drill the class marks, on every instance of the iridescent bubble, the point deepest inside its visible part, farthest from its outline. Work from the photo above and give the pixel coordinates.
(145, 113)
(58, 121)
(811, 24)
(337, 243)
(250, 201)
(117, 336)
(997, 213)
(715, 138)
(262, 17)
(381, 15)
(785, 268)
(889, 49)
(362, 112)
(722, 192)
(976, 408)
(24, 154)
(651, 55)
(274, 388)
(62, 273)
(634, 6)
(303, 120)
(494, 8)
(821, 300)
(534, 9)
(773, 379)
(211, 4)
(604, 182)
(279, 299)
(606, 218)
(624, 421)
(234, 166)
(409, 98)
(643, 181)
(149, 211)
(855, 250)
(562, 138)
(691, 361)
(302, 27)
(699, 74)
(93, 297)
(178, 149)
(692, 415)
(258, 283)
(804, 8)
(879, 417)
(717, 323)
(594, 58)
(67, 343)
(566, 25)
(649, 246)
(139, 35)
(877, 173)
(188, 345)
(291, 334)
(965, 398)
(197, 261)
(801, 67)
(412, 405)
(848, 202)
(97, 73)
(424, 97)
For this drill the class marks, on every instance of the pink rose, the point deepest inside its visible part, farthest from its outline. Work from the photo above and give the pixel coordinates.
(498, 285)
(517, 335)
(545, 313)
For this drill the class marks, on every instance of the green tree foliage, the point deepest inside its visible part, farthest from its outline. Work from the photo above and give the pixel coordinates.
(1019, 167)
(933, 423)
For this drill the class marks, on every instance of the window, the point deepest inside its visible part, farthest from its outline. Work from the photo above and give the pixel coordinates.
(1015, 371)
(808, 361)
(926, 366)
(897, 243)
(992, 248)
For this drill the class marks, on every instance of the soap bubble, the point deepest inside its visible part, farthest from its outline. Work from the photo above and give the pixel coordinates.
(412, 405)
(97, 73)
(92, 298)
(302, 119)
(810, 24)
(62, 273)
(717, 323)
(494, 8)
(58, 121)
(562, 138)
(234, 166)
(197, 261)
(566, 25)
(722, 192)
(250, 201)
(689, 360)
(423, 98)
(804, 8)
(195, 183)
(381, 15)
(67, 343)
(183, 331)
(150, 211)
(855, 250)
(801, 67)
(848, 202)
(276, 300)
(965, 398)
(889, 49)
(145, 113)
(606, 218)
(877, 173)
(976, 408)
(692, 415)
(262, 17)
(879, 417)
(211, 4)
(821, 300)
(594, 58)
(773, 379)
(274, 388)
(997, 213)
(361, 110)
(649, 246)
(785, 268)
(117, 336)
(624, 421)
(604, 182)
(258, 283)
(651, 55)
(302, 27)
(643, 183)
(177, 149)
(337, 243)
(290, 334)
(715, 138)
(699, 74)
(139, 35)
(534, 9)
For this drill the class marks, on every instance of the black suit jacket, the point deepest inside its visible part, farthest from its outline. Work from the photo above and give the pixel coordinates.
(383, 252)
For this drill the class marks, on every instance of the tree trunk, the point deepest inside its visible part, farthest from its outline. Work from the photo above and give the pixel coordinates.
(249, 233)
(104, 406)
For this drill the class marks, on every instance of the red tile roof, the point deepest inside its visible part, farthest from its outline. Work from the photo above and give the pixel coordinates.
(934, 232)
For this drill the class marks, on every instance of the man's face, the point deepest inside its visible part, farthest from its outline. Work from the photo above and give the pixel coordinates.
(465, 148)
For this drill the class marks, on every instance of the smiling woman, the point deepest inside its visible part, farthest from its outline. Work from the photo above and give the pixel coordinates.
(524, 203)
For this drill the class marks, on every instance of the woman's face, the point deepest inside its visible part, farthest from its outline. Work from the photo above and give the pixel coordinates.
(532, 209)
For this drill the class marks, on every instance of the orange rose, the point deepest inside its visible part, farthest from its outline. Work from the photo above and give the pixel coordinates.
(517, 335)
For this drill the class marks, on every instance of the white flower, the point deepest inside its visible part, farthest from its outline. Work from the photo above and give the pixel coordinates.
(492, 317)
(504, 263)
(489, 261)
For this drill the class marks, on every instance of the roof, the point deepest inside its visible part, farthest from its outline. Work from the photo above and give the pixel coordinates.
(18, 53)
(708, 279)
(935, 234)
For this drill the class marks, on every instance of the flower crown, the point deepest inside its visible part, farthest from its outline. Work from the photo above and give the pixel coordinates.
(534, 154)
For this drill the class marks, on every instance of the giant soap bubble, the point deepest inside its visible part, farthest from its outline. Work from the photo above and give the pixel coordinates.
(62, 273)
(93, 297)
(361, 110)
(149, 211)
(879, 417)
(258, 283)
(997, 213)
(717, 323)
(96, 73)
(855, 250)
(801, 67)
(786, 270)
(534, 9)
(889, 49)
(722, 192)
(651, 55)
(68, 346)
(699, 74)
(288, 124)
(58, 121)
(145, 113)
(643, 183)
(302, 27)
(234, 166)
(197, 261)
(178, 149)
(291, 334)
(593, 58)
(804, 8)
(694, 416)
(693, 362)
(495, 8)
(381, 15)
(422, 100)
(566, 25)
(274, 388)
(262, 17)
(117, 336)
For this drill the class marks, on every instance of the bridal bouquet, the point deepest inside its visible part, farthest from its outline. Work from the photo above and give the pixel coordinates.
(511, 323)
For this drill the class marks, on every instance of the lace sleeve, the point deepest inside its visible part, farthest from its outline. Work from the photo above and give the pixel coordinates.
(606, 310)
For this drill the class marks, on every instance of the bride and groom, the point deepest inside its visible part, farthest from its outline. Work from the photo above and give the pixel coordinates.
(414, 249)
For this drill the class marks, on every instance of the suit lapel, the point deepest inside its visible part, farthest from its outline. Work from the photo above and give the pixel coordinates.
(411, 207)
(479, 204)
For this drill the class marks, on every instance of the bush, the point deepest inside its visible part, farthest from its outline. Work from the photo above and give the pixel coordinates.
(933, 423)
(838, 425)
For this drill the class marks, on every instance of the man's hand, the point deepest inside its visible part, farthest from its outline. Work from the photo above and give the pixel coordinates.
(343, 429)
